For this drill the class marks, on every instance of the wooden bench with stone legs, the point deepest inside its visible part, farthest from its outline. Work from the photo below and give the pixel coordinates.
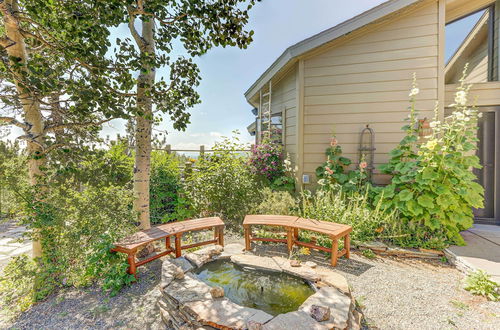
(131, 244)
(292, 225)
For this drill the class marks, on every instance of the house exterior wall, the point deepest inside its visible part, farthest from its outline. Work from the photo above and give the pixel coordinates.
(284, 100)
(366, 80)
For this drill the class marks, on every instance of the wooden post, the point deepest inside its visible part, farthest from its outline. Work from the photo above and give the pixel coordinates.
(167, 243)
(178, 238)
(168, 149)
(248, 232)
(347, 245)
(220, 230)
(132, 269)
(202, 151)
(335, 251)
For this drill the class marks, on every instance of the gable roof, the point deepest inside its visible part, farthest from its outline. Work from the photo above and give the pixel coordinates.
(291, 54)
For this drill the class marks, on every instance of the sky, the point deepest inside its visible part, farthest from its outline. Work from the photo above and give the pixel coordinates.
(228, 72)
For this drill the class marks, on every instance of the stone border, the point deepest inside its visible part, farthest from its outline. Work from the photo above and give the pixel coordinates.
(189, 303)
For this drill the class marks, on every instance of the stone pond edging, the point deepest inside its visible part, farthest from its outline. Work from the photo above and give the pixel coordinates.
(189, 303)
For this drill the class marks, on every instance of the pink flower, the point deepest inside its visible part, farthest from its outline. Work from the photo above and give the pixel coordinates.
(333, 142)
(329, 170)
(363, 165)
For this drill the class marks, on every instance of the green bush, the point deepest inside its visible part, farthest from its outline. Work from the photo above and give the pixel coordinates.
(353, 209)
(13, 177)
(222, 184)
(77, 229)
(166, 192)
(276, 202)
(479, 283)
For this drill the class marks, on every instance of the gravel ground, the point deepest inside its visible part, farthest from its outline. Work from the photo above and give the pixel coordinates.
(393, 294)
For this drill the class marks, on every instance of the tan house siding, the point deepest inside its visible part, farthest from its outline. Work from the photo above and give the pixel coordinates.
(481, 94)
(366, 81)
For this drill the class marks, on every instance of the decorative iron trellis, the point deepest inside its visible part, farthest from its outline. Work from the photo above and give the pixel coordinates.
(367, 149)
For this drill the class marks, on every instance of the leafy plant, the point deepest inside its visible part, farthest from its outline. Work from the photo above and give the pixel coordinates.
(222, 183)
(479, 283)
(276, 202)
(166, 192)
(334, 174)
(433, 186)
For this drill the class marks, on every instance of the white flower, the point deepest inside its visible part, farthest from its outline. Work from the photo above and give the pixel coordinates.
(414, 92)
(461, 97)
(433, 124)
(480, 115)
(467, 119)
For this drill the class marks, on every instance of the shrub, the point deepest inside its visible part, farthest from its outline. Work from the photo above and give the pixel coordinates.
(354, 209)
(222, 183)
(166, 192)
(479, 283)
(77, 229)
(266, 160)
(276, 202)
(433, 186)
(12, 178)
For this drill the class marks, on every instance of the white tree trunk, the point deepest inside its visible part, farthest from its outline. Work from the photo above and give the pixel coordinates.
(31, 106)
(142, 168)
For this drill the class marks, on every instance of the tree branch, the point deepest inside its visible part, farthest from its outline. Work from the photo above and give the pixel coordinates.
(14, 121)
(141, 43)
(53, 128)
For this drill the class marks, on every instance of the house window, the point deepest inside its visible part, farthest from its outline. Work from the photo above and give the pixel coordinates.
(473, 39)
(277, 127)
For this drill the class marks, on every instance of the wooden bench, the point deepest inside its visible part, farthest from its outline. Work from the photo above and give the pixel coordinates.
(131, 244)
(292, 225)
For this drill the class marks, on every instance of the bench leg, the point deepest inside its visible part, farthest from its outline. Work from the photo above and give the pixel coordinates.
(335, 251)
(347, 246)
(132, 268)
(296, 233)
(220, 235)
(289, 239)
(248, 232)
(178, 238)
(167, 243)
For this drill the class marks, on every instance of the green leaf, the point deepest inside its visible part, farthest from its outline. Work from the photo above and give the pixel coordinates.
(426, 201)
(405, 195)
(429, 173)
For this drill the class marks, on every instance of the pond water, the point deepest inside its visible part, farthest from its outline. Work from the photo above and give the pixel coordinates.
(274, 293)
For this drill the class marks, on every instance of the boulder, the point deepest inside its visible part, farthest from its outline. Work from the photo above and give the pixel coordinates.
(217, 292)
(320, 313)
(339, 304)
(256, 262)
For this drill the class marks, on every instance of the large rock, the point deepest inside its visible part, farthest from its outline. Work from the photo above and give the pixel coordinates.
(232, 249)
(188, 289)
(339, 304)
(223, 314)
(168, 272)
(262, 263)
(202, 256)
(302, 271)
(294, 320)
(334, 279)
(183, 263)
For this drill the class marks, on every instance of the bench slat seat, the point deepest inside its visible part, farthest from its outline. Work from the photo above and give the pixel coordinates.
(147, 236)
(324, 227)
(131, 244)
